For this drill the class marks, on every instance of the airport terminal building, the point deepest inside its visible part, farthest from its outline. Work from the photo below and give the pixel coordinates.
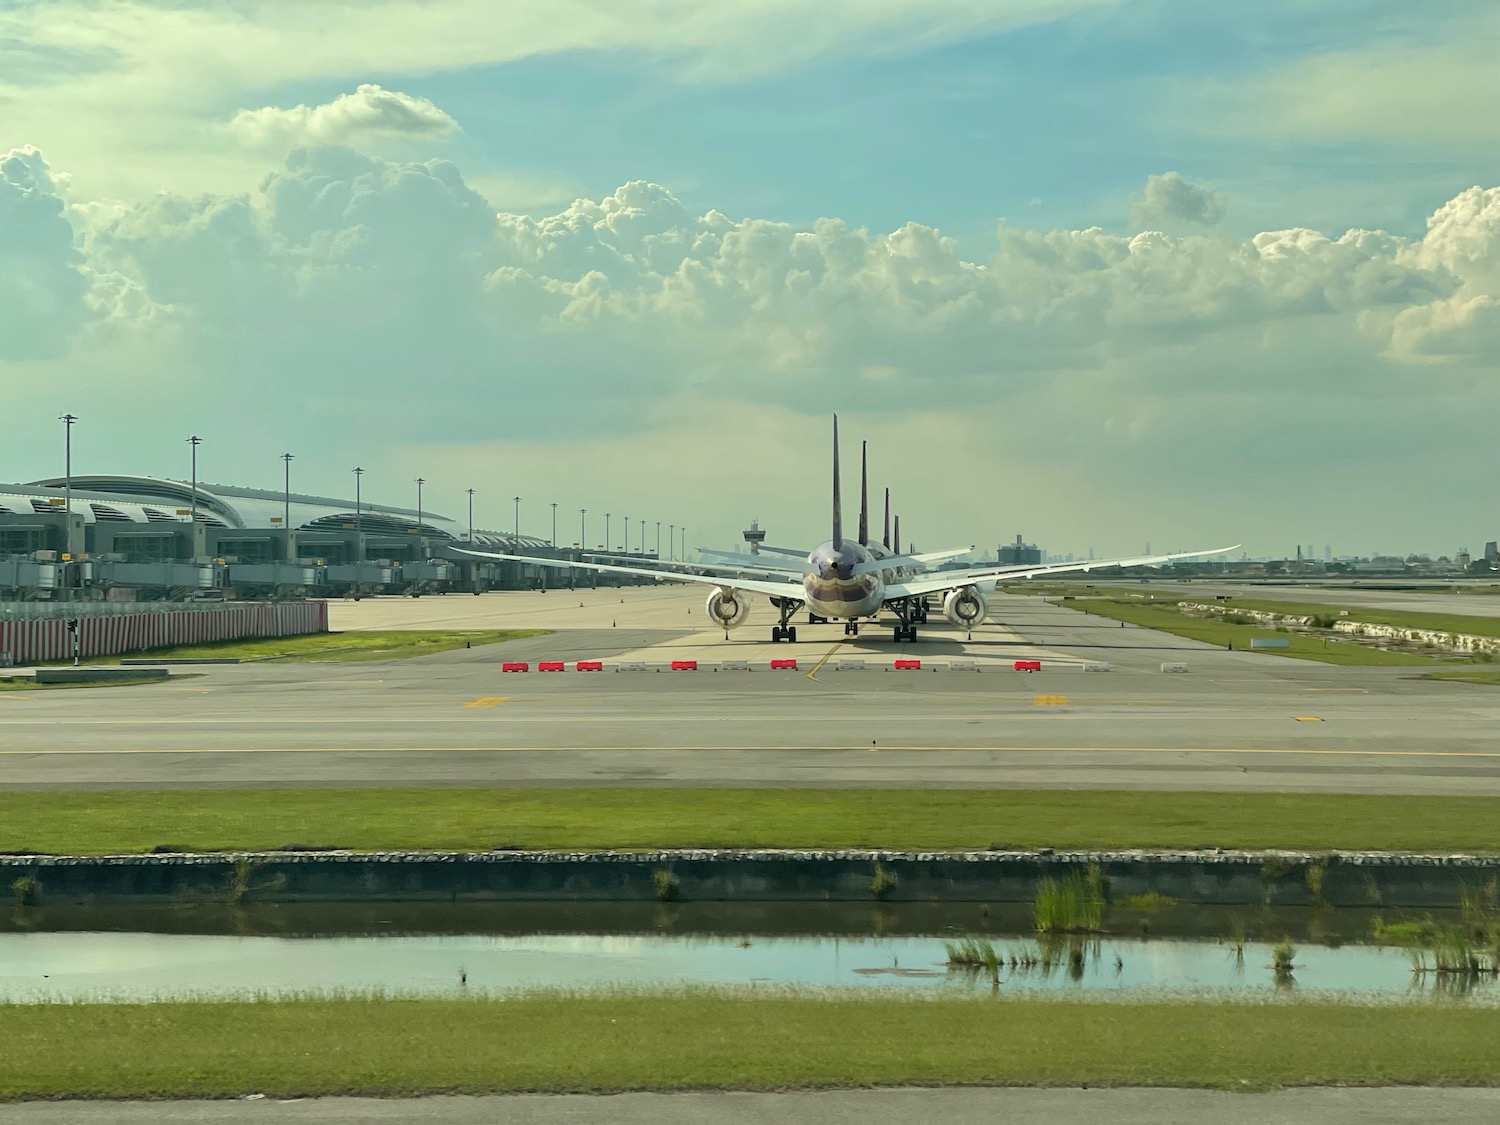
(126, 538)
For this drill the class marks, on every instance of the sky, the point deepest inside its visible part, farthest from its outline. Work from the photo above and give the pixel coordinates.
(1097, 272)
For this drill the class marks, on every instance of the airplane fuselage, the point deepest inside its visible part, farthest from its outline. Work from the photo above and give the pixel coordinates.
(833, 589)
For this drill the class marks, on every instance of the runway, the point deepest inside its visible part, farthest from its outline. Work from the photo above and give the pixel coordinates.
(1234, 721)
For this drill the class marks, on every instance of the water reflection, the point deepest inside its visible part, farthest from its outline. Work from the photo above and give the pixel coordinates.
(445, 949)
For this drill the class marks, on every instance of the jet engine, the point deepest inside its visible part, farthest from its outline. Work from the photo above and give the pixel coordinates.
(966, 607)
(728, 608)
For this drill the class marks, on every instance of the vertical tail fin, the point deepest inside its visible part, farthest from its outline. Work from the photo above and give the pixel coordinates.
(838, 504)
(887, 539)
(897, 547)
(864, 495)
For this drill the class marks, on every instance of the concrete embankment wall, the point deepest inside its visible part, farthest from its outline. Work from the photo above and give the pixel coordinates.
(1221, 878)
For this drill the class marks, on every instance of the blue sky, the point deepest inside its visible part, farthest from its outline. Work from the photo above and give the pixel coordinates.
(351, 230)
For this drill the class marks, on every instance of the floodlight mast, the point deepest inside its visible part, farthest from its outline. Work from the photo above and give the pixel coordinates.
(67, 420)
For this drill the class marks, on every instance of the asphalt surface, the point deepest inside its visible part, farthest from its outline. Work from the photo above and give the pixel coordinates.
(968, 1106)
(1233, 721)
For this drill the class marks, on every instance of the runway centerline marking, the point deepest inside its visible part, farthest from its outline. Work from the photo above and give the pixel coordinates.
(487, 701)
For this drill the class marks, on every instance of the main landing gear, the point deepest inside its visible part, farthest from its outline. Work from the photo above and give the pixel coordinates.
(851, 628)
(786, 631)
(909, 612)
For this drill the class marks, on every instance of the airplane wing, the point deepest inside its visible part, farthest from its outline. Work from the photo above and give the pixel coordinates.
(748, 561)
(890, 562)
(952, 579)
(788, 587)
(670, 567)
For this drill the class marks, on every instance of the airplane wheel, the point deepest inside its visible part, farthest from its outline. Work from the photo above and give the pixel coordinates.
(791, 634)
(775, 634)
(900, 634)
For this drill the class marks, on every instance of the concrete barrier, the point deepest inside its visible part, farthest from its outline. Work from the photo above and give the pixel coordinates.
(734, 665)
(1174, 667)
(1389, 881)
(957, 665)
(1095, 666)
(851, 664)
(631, 666)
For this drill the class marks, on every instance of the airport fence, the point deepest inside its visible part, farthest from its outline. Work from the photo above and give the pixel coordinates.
(31, 632)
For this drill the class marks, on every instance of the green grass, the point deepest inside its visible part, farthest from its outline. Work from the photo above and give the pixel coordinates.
(26, 683)
(1164, 616)
(80, 822)
(1476, 676)
(393, 644)
(703, 1038)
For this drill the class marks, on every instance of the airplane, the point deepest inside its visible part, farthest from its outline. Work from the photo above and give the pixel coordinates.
(899, 566)
(853, 579)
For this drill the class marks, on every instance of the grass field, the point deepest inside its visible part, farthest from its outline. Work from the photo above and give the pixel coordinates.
(1475, 676)
(725, 1039)
(75, 822)
(1164, 617)
(26, 683)
(372, 645)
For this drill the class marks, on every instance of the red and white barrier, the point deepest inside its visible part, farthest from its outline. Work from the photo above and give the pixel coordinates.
(29, 642)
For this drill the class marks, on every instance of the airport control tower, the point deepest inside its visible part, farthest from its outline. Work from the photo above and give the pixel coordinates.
(754, 536)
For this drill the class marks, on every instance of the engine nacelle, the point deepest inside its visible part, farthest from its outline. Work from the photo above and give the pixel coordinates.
(728, 608)
(966, 607)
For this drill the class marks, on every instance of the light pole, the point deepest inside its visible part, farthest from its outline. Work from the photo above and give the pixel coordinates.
(420, 482)
(359, 518)
(515, 544)
(627, 535)
(554, 525)
(658, 540)
(67, 420)
(643, 536)
(684, 543)
(195, 441)
(672, 540)
(471, 517)
(583, 529)
(606, 532)
(286, 502)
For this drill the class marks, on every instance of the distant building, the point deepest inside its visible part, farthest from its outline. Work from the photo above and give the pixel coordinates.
(1461, 560)
(1019, 553)
(1492, 552)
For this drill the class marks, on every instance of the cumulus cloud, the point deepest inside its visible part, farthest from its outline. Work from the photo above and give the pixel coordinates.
(1462, 242)
(371, 113)
(42, 289)
(395, 252)
(1170, 202)
(391, 296)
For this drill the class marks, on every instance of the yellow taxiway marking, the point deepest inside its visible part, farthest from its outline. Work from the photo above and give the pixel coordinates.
(827, 656)
(1307, 719)
(1475, 754)
(1049, 700)
(487, 701)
